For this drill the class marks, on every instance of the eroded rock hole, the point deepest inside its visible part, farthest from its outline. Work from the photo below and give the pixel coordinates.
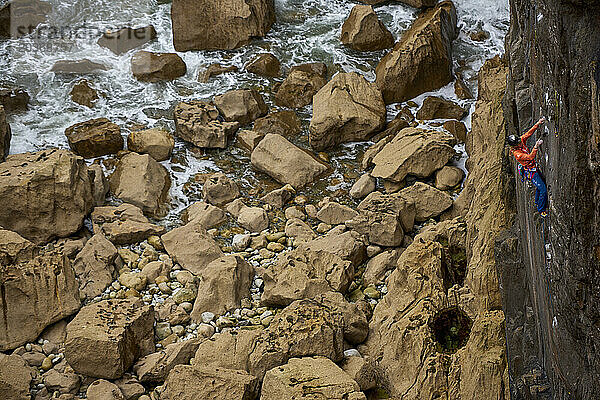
(454, 266)
(451, 328)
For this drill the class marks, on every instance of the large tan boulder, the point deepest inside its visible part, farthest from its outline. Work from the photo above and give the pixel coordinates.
(334, 213)
(232, 24)
(448, 177)
(155, 367)
(422, 60)
(198, 122)
(355, 325)
(15, 377)
(187, 382)
(219, 189)
(213, 70)
(254, 219)
(243, 106)
(5, 135)
(347, 109)
(320, 378)
(413, 151)
(191, 246)
(224, 283)
(35, 294)
(95, 138)
(429, 201)
(125, 224)
(363, 31)
(210, 216)
(301, 84)
(140, 180)
(45, 194)
(265, 64)
(229, 349)
(346, 245)
(435, 107)
(285, 162)
(94, 266)
(302, 273)
(105, 338)
(14, 248)
(155, 67)
(157, 142)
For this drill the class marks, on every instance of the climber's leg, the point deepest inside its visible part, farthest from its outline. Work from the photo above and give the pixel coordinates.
(541, 193)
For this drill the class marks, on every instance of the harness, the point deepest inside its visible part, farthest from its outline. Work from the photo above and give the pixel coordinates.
(526, 173)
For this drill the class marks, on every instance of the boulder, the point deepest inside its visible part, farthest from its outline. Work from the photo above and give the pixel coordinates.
(299, 230)
(254, 219)
(363, 31)
(285, 123)
(232, 23)
(229, 349)
(461, 89)
(130, 387)
(78, 67)
(125, 39)
(208, 215)
(13, 99)
(243, 106)
(279, 197)
(265, 64)
(99, 184)
(20, 17)
(82, 93)
(155, 367)
(438, 108)
(14, 248)
(57, 182)
(448, 177)
(35, 294)
(187, 382)
(198, 122)
(94, 266)
(104, 390)
(249, 139)
(213, 70)
(347, 109)
(320, 378)
(429, 201)
(285, 162)
(5, 135)
(355, 324)
(157, 142)
(140, 180)
(62, 382)
(105, 338)
(378, 266)
(303, 273)
(361, 370)
(457, 129)
(224, 283)
(413, 151)
(191, 246)
(363, 186)
(219, 189)
(422, 60)
(95, 138)
(155, 67)
(334, 213)
(347, 245)
(125, 224)
(15, 377)
(299, 87)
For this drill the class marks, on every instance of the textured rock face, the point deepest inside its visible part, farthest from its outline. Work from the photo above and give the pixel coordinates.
(556, 75)
(156, 67)
(197, 122)
(84, 94)
(421, 61)
(348, 108)
(35, 294)
(265, 65)
(124, 224)
(14, 248)
(233, 23)
(5, 135)
(141, 181)
(156, 366)
(438, 108)
(105, 338)
(429, 202)
(94, 266)
(95, 138)
(299, 87)
(57, 182)
(15, 377)
(156, 142)
(219, 189)
(284, 123)
(364, 32)
(320, 376)
(285, 162)
(125, 39)
(243, 106)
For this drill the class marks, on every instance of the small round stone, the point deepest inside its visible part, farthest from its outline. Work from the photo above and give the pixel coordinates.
(207, 317)
(275, 247)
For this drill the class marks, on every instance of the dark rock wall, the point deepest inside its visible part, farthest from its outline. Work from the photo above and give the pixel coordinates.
(552, 306)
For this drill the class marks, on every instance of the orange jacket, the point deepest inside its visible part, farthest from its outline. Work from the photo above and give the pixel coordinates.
(522, 153)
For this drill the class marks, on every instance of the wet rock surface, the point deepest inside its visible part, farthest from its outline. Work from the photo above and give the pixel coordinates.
(95, 138)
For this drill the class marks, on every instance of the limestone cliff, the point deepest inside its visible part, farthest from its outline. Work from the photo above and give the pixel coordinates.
(549, 270)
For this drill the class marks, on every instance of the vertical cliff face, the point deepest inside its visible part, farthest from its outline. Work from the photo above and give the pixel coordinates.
(549, 270)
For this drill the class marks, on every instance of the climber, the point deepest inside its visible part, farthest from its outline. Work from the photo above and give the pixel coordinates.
(528, 167)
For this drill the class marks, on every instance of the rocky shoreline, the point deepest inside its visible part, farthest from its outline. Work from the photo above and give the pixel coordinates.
(385, 290)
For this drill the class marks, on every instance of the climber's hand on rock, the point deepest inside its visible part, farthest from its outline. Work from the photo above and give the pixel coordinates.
(538, 143)
(542, 120)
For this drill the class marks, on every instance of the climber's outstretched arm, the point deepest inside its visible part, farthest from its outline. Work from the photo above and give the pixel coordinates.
(530, 132)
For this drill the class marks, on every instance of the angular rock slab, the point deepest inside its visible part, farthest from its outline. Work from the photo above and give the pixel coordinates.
(285, 162)
(232, 23)
(14, 248)
(155, 67)
(299, 87)
(57, 182)
(105, 338)
(35, 294)
(125, 224)
(125, 39)
(309, 378)
(94, 266)
(95, 138)
(15, 377)
(198, 122)
(156, 366)
(243, 106)
(429, 201)
(363, 31)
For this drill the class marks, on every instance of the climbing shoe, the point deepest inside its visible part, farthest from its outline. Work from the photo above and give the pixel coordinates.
(544, 214)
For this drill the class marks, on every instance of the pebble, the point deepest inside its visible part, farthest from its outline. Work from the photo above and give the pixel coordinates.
(178, 330)
(28, 347)
(47, 363)
(266, 314)
(162, 330)
(266, 321)
(187, 306)
(301, 200)
(184, 295)
(293, 212)
(207, 317)
(373, 250)
(323, 227)
(275, 247)
(240, 242)
(266, 254)
(155, 242)
(116, 285)
(49, 348)
(206, 330)
(311, 210)
(164, 288)
(161, 279)
(352, 353)
(371, 292)
(275, 237)
(224, 322)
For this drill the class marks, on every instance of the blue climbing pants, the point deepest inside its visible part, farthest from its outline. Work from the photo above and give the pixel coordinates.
(541, 193)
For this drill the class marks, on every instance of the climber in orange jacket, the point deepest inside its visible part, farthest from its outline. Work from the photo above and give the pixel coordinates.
(528, 167)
